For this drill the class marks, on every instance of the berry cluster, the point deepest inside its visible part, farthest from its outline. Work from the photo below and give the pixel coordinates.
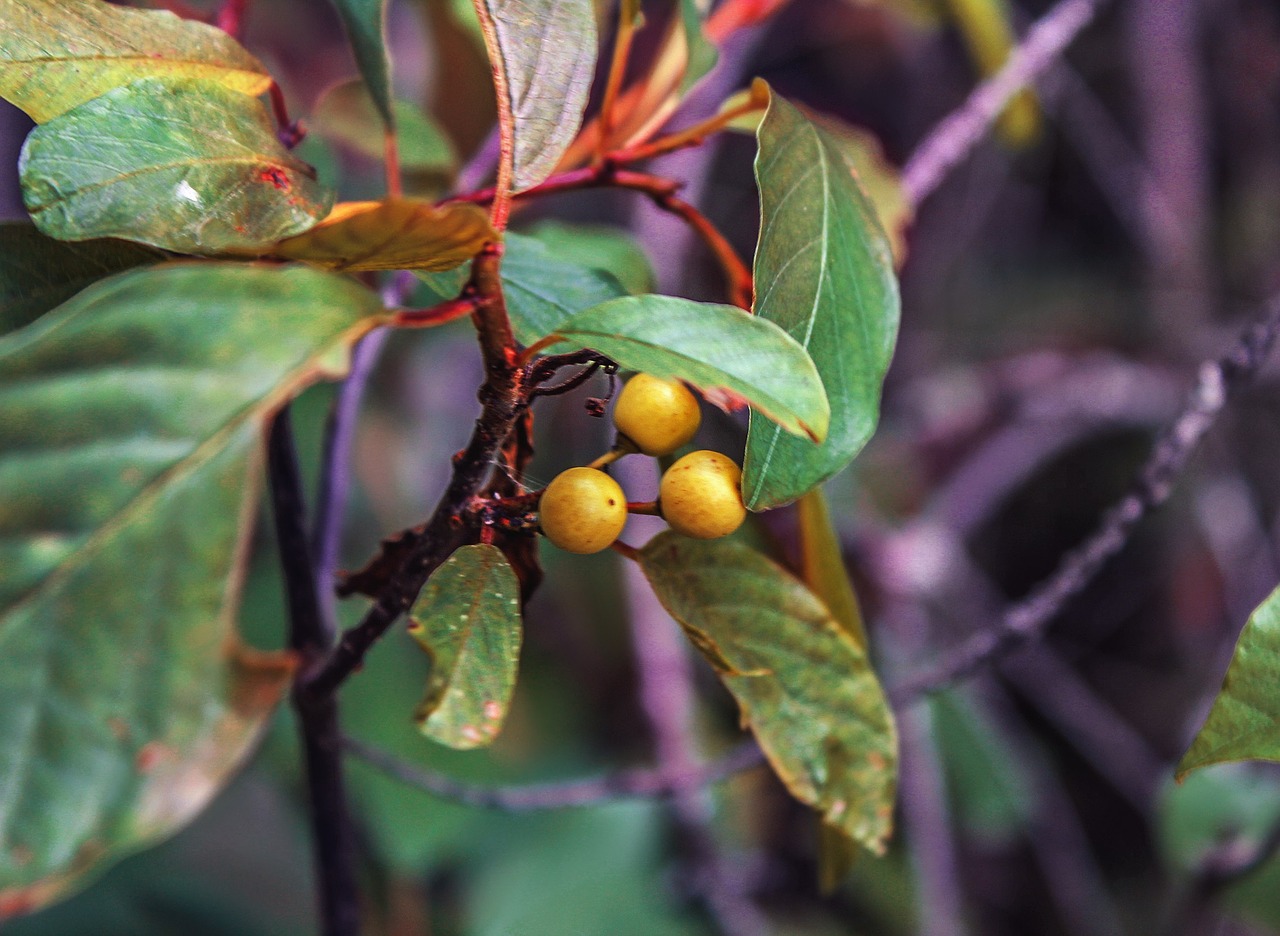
(584, 510)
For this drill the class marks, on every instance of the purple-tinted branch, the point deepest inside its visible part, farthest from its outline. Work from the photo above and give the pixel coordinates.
(335, 474)
(642, 783)
(955, 137)
(1173, 449)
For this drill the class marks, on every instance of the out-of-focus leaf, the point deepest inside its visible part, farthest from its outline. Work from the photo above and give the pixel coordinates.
(823, 271)
(38, 272)
(714, 347)
(807, 691)
(545, 53)
(1244, 723)
(1227, 806)
(822, 566)
(58, 54)
(988, 34)
(993, 794)
(544, 289)
(346, 113)
(405, 234)
(467, 619)
(182, 165)
(588, 871)
(365, 21)
(129, 457)
(601, 248)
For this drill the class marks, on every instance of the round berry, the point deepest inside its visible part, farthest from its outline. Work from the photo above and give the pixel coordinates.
(583, 510)
(699, 495)
(657, 415)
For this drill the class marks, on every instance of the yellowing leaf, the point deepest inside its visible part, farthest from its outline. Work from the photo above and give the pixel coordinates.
(822, 565)
(805, 688)
(404, 234)
(57, 54)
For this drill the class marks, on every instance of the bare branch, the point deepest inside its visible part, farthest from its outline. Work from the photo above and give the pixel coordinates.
(1028, 618)
(606, 788)
(956, 136)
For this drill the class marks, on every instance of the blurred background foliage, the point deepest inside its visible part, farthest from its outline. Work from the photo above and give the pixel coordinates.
(1058, 290)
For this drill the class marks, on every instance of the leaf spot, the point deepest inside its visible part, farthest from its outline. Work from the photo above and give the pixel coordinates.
(492, 710)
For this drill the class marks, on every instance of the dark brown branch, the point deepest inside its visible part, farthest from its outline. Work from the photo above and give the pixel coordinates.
(503, 403)
(606, 788)
(332, 832)
(1173, 449)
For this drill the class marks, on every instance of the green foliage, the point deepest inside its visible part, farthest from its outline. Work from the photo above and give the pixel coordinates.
(606, 250)
(347, 114)
(180, 164)
(59, 54)
(136, 393)
(805, 688)
(823, 272)
(366, 22)
(544, 289)
(131, 441)
(467, 619)
(38, 272)
(1242, 725)
(713, 347)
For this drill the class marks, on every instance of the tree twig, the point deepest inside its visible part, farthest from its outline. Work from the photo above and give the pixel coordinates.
(503, 403)
(332, 833)
(335, 478)
(958, 133)
(640, 783)
(1169, 456)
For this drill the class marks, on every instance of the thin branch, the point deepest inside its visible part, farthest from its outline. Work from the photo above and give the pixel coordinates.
(1025, 619)
(642, 783)
(663, 194)
(503, 403)
(955, 137)
(332, 832)
(335, 478)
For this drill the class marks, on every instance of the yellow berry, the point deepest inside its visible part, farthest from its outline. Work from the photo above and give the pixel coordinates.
(583, 510)
(657, 415)
(699, 495)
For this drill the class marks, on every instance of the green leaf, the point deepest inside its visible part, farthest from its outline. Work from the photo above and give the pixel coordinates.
(807, 690)
(347, 114)
(600, 247)
(130, 461)
(701, 54)
(713, 347)
(58, 54)
(184, 165)
(544, 290)
(38, 272)
(468, 620)
(365, 21)
(545, 53)
(824, 273)
(1244, 723)
(404, 234)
